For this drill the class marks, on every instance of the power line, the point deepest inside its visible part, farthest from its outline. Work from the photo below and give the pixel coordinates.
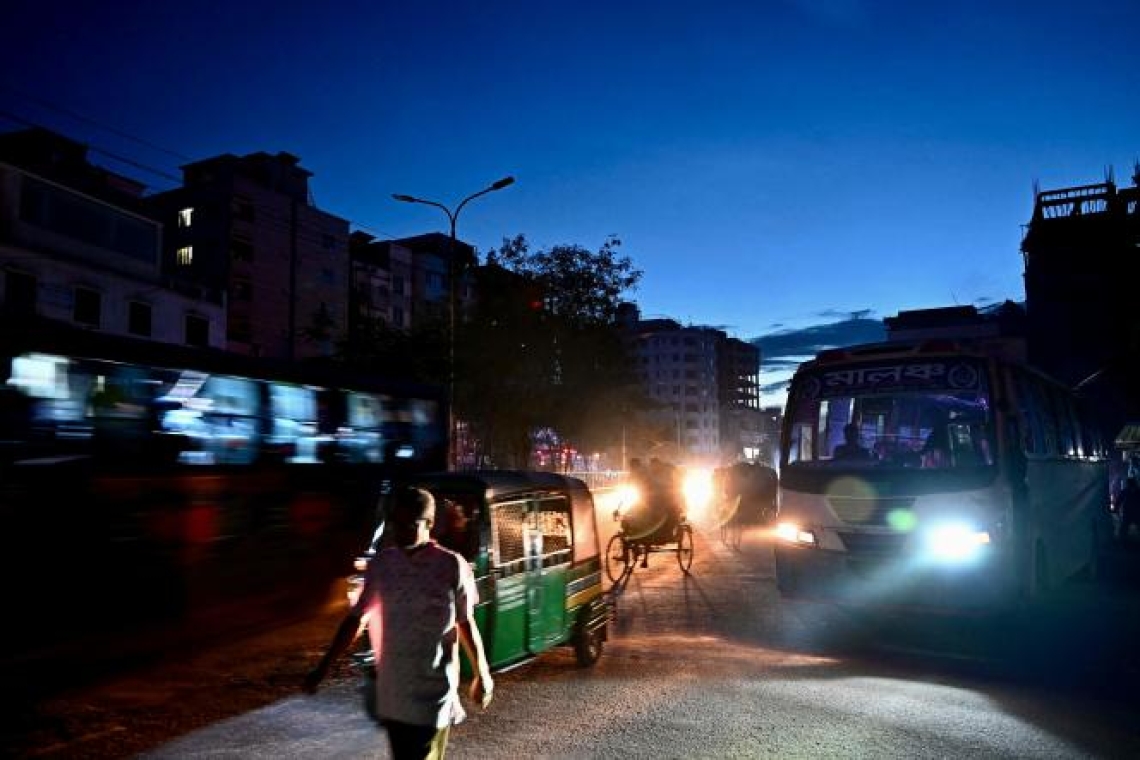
(171, 177)
(81, 117)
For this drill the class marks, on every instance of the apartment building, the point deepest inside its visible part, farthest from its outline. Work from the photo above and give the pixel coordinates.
(706, 386)
(1081, 252)
(247, 227)
(77, 247)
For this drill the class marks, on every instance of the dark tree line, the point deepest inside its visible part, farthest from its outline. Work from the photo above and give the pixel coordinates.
(539, 348)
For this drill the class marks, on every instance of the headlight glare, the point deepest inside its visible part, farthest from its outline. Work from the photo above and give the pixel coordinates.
(955, 542)
(793, 534)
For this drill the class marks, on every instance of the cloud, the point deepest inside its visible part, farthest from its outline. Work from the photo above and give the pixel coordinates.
(808, 341)
(782, 351)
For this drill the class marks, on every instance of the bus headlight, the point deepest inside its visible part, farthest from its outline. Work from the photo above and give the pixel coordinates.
(794, 534)
(955, 542)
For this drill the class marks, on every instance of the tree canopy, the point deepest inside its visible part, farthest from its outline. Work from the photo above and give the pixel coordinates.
(542, 348)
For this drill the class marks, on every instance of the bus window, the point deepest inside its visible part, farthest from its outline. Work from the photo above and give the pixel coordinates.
(1066, 441)
(219, 420)
(1032, 430)
(1071, 424)
(293, 422)
(926, 415)
(801, 443)
(1043, 411)
(360, 439)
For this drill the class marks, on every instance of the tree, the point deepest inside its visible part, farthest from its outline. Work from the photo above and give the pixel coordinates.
(418, 353)
(542, 348)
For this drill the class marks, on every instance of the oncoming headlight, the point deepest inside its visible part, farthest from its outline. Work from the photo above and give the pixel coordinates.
(697, 488)
(955, 542)
(794, 534)
(627, 495)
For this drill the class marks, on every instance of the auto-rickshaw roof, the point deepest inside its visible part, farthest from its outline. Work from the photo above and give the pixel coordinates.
(500, 483)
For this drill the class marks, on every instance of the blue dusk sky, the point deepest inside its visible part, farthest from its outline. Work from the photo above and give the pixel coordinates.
(772, 166)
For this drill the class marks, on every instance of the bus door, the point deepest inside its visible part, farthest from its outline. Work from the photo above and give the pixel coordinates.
(547, 559)
(507, 622)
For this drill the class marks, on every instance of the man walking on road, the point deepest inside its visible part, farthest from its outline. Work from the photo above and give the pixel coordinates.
(419, 600)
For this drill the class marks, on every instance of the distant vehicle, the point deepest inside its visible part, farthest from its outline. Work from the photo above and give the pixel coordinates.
(532, 539)
(924, 473)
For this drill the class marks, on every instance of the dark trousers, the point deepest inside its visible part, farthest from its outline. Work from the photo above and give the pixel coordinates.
(409, 742)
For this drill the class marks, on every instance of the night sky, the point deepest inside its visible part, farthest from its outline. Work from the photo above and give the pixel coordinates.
(770, 165)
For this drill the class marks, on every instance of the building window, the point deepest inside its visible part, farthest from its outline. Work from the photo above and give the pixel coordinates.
(241, 290)
(329, 242)
(139, 319)
(398, 285)
(241, 249)
(185, 255)
(185, 217)
(238, 328)
(397, 316)
(197, 331)
(88, 307)
(19, 293)
(242, 209)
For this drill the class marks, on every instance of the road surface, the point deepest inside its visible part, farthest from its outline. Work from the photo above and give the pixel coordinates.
(714, 665)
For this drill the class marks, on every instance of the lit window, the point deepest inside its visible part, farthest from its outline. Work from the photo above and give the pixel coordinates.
(186, 255)
(185, 217)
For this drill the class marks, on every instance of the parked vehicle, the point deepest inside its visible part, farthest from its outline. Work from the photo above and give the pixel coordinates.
(532, 539)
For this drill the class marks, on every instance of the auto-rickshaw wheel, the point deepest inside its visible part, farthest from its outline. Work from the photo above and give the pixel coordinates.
(685, 547)
(617, 558)
(588, 645)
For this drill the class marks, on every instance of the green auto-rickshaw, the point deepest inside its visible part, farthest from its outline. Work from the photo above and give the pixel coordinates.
(532, 539)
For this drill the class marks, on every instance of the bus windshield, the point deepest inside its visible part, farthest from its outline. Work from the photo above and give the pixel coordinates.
(929, 415)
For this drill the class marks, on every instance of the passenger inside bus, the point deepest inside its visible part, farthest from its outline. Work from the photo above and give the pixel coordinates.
(935, 451)
(851, 449)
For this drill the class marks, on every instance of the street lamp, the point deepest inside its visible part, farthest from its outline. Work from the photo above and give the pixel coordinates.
(452, 272)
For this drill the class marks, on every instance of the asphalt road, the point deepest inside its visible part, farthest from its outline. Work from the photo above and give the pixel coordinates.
(714, 665)
(710, 665)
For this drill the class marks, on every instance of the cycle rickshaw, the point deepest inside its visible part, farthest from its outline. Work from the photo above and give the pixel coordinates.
(650, 523)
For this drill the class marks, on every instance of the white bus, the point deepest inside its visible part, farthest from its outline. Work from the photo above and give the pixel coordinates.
(923, 473)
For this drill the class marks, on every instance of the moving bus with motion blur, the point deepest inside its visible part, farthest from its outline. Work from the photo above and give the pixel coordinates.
(189, 486)
(925, 473)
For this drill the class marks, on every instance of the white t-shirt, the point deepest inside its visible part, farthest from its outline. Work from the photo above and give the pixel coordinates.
(412, 600)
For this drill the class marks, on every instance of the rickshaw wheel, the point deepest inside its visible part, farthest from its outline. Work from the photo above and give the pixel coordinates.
(685, 548)
(617, 557)
(588, 646)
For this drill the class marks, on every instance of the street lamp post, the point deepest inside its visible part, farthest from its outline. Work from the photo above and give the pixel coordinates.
(452, 275)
